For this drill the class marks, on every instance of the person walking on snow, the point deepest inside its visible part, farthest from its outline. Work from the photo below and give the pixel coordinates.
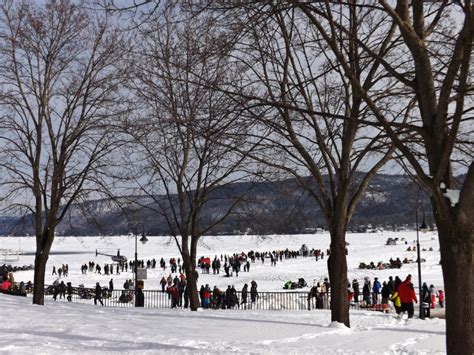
(441, 298)
(163, 283)
(355, 287)
(244, 295)
(407, 295)
(426, 299)
(253, 291)
(376, 290)
(434, 294)
(98, 294)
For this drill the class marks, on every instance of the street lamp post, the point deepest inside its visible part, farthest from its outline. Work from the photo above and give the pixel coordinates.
(423, 229)
(143, 240)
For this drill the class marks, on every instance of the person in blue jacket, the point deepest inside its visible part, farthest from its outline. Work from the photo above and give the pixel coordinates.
(376, 288)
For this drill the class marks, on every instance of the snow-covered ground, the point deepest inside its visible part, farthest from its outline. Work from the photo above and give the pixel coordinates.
(63, 327)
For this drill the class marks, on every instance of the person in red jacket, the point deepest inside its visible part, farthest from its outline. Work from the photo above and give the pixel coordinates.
(441, 298)
(206, 295)
(174, 293)
(407, 295)
(6, 284)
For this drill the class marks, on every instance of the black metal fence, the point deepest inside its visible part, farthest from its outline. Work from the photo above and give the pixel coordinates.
(291, 300)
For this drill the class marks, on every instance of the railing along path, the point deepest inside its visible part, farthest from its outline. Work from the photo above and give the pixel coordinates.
(279, 300)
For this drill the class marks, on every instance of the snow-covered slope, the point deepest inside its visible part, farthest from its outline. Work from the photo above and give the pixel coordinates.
(63, 328)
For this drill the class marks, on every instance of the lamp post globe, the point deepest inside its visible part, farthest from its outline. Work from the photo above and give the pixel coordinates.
(143, 239)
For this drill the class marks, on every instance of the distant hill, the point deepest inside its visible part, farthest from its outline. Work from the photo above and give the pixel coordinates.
(268, 208)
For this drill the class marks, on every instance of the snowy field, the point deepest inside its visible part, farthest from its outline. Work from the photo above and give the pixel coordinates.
(77, 328)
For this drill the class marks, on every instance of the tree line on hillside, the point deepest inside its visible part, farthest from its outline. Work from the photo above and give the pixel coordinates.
(279, 207)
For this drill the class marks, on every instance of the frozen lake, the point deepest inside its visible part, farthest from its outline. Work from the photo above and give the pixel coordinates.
(368, 247)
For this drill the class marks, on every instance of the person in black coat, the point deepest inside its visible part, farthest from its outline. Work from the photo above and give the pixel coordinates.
(391, 284)
(55, 289)
(244, 294)
(319, 301)
(62, 290)
(253, 291)
(426, 299)
(69, 292)
(234, 299)
(98, 294)
(355, 287)
(385, 293)
(140, 298)
(228, 297)
(366, 292)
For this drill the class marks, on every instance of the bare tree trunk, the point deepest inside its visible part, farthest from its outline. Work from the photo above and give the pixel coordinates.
(189, 265)
(191, 284)
(337, 268)
(456, 236)
(43, 248)
(458, 274)
(41, 259)
(194, 296)
(194, 302)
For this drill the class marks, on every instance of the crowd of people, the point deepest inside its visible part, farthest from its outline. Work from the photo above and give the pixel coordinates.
(231, 264)
(176, 288)
(107, 268)
(60, 289)
(371, 293)
(400, 293)
(320, 291)
(374, 294)
(14, 268)
(8, 284)
(228, 299)
(62, 270)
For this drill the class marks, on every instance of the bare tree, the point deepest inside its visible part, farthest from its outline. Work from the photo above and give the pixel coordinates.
(315, 122)
(184, 132)
(59, 93)
(437, 75)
